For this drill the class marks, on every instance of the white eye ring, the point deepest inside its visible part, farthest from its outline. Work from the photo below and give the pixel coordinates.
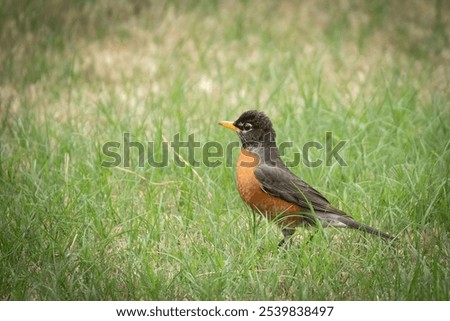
(248, 126)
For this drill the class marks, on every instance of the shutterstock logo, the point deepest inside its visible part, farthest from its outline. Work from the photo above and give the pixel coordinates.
(194, 153)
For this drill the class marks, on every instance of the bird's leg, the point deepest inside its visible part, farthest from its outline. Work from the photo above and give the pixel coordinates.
(287, 233)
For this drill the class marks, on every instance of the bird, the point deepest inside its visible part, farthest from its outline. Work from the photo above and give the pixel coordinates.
(273, 190)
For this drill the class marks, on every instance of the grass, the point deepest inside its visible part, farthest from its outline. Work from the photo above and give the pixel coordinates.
(75, 75)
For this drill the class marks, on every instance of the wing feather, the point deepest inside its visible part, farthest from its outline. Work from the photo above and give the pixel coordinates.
(282, 183)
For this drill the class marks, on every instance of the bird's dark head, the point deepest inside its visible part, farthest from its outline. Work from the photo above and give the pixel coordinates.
(253, 128)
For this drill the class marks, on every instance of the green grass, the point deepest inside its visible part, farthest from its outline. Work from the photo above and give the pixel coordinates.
(75, 75)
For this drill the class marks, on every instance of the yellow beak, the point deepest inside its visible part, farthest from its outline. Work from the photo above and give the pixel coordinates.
(229, 125)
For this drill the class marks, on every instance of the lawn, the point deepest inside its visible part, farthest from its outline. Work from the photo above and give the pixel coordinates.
(76, 75)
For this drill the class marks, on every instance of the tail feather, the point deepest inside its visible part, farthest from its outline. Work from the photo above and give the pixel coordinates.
(340, 220)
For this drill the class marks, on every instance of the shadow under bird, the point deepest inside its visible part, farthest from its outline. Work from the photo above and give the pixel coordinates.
(270, 188)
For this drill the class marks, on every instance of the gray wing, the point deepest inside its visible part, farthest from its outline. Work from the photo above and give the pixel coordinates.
(282, 183)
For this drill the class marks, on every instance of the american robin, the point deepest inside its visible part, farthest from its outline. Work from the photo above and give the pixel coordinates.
(270, 188)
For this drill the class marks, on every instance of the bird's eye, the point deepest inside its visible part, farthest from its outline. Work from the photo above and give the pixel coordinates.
(247, 126)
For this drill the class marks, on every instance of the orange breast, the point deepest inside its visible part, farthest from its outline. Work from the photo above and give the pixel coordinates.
(250, 189)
